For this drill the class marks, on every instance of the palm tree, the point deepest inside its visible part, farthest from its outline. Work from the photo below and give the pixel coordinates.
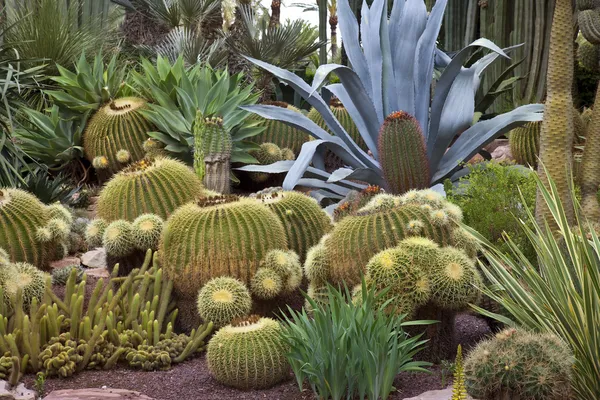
(275, 13)
(333, 21)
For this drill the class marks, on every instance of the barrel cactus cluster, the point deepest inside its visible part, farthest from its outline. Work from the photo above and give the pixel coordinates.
(269, 153)
(31, 231)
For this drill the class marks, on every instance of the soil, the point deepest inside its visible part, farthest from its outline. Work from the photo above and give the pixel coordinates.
(191, 380)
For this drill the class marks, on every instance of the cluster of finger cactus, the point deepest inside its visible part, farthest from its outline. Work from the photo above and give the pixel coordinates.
(31, 231)
(304, 220)
(280, 273)
(212, 153)
(218, 236)
(519, 364)
(248, 354)
(222, 300)
(115, 134)
(342, 115)
(280, 134)
(127, 321)
(269, 153)
(156, 186)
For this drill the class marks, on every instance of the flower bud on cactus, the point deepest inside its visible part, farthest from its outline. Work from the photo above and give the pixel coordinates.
(402, 153)
(222, 300)
(123, 156)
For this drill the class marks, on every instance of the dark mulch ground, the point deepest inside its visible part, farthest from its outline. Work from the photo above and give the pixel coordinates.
(192, 381)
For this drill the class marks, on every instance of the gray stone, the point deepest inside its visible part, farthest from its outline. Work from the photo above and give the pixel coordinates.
(94, 258)
(18, 393)
(445, 394)
(96, 394)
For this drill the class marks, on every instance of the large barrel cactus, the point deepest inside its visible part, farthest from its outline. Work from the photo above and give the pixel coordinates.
(402, 153)
(304, 220)
(148, 187)
(117, 126)
(279, 133)
(218, 236)
(29, 230)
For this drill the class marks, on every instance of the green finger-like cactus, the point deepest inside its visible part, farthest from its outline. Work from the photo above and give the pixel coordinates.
(248, 354)
(26, 277)
(94, 232)
(454, 279)
(218, 236)
(212, 153)
(287, 265)
(355, 239)
(148, 187)
(222, 300)
(266, 284)
(408, 281)
(146, 231)
(24, 234)
(118, 238)
(117, 126)
(279, 133)
(519, 365)
(402, 153)
(304, 220)
(342, 115)
(316, 265)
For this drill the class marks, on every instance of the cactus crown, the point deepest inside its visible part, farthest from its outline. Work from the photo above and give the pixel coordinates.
(398, 116)
(246, 321)
(335, 102)
(213, 201)
(124, 105)
(4, 197)
(139, 167)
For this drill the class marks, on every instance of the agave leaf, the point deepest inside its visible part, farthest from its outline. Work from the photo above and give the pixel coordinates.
(361, 174)
(349, 29)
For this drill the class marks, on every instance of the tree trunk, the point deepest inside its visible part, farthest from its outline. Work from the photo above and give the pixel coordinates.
(235, 62)
(333, 21)
(212, 25)
(275, 14)
(556, 138)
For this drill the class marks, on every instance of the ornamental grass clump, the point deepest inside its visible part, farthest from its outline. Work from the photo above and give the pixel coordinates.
(350, 349)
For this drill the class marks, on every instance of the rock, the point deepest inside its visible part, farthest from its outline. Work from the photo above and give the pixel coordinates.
(94, 258)
(97, 272)
(65, 262)
(502, 153)
(436, 395)
(476, 159)
(495, 144)
(96, 394)
(18, 393)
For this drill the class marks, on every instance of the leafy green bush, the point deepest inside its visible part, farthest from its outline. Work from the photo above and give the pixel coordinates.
(350, 349)
(561, 294)
(490, 198)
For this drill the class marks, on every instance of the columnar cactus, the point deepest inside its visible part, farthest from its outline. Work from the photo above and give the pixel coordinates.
(149, 186)
(519, 365)
(212, 153)
(31, 232)
(117, 126)
(304, 220)
(401, 134)
(281, 134)
(218, 236)
(222, 300)
(248, 354)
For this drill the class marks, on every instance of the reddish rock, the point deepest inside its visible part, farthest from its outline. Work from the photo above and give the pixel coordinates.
(96, 394)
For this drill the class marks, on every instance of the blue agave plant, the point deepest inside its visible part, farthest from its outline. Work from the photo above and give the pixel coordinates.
(392, 70)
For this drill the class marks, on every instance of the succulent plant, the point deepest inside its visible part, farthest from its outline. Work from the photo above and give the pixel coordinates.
(588, 54)
(280, 134)
(304, 220)
(118, 238)
(316, 265)
(354, 201)
(217, 236)
(222, 300)
(25, 277)
(29, 232)
(266, 284)
(248, 354)
(94, 232)
(286, 264)
(61, 275)
(149, 186)
(519, 364)
(147, 229)
(4, 257)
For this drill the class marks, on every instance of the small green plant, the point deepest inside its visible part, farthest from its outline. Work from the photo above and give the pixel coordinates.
(39, 385)
(447, 369)
(350, 349)
(491, 202)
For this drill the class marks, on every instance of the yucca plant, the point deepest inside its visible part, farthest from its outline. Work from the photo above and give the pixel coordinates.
(179, 93)
(391, 72)
(350, 350)
(562, 294)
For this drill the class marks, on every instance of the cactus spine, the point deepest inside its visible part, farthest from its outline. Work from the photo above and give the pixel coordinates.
(557, 127)
(401, 134)
(212, 153)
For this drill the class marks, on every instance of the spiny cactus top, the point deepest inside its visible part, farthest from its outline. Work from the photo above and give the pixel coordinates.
(157, 187)
(115, 127)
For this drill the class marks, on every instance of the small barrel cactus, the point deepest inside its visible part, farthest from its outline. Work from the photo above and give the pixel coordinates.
(280, 133)
(216, 236)
(267, 153)
(118, 238)
(94, 232)
(248, 354)
(147, 229)
(316, 265)
(266, 284)
(304, 220)
(149, 186)
(519, 365)
(114, 128)
(222, 300)
(286, 264)
(26, 277)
